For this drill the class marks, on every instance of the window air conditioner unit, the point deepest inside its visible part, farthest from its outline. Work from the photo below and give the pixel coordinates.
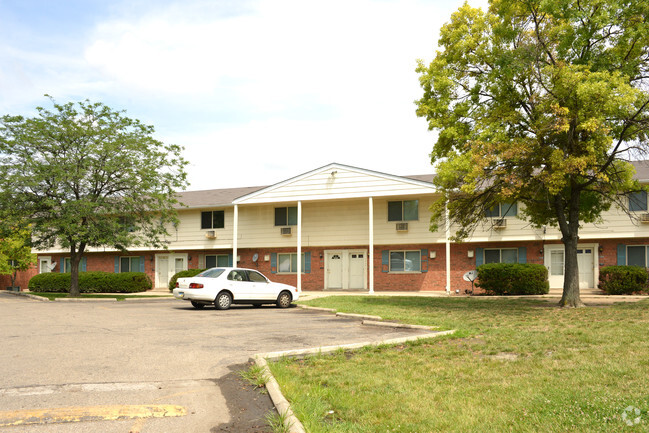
(500, 224)
(644, 218)
(211, 234)
(402, 227)
(286, 231)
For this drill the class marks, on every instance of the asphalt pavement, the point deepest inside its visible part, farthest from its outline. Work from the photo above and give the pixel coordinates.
(143, 365)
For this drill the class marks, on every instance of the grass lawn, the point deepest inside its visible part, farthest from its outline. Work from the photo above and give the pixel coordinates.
(513, 365)
(53, 296)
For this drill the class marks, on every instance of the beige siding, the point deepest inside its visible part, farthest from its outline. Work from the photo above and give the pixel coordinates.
(341, 185)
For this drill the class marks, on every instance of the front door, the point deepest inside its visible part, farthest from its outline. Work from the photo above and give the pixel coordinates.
(585, 263)
(166, 266)
(334, 271)
(346, 269)
(555, 262)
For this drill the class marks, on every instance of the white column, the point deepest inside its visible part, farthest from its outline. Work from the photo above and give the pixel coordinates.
(371, 252)
(235, 235)
(299, 246)
(448, 251)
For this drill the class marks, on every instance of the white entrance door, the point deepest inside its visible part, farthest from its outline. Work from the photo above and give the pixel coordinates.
(44, 265)
(585, 263)
(357, 270)
(334, 270)
(346, 269)
(166, 265)
(555, 262)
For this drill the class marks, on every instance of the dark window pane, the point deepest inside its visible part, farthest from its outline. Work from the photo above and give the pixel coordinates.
(413, 261)
(635, 256)
(638, 201)
(210, 262)
(493, 212)
(395, 212)
(492, 256)
(292, 216)
(206, 220)
(396, 261)
(256, 277)
(411, 210)
(509, 209)
(509, 256)
(218, 219)
(124, 264)
(280, 216)
(222, 260)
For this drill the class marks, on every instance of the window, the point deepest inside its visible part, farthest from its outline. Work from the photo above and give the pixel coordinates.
(219, 260)
(501, 255)
(214, 219)
(636, 255)
(256, 277)
(556, 262)
(129, 264)
(287, 263)
(66, 265)
(406, 210)
(502, 210)
(211, 273)
(405, 261)
(638, 201)
(286, 216)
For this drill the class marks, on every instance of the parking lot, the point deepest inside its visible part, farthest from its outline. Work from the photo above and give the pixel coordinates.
(143, 365)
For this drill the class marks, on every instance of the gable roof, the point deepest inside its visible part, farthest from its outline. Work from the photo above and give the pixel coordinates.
(213, 197)
(338, 181)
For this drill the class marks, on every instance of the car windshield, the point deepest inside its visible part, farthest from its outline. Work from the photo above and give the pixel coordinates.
(211, 273)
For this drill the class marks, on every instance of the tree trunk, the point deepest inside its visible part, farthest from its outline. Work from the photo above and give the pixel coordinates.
(571, 296)
(75, 260)
(570, 231)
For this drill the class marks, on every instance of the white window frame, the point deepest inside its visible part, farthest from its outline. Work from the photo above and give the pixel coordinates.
(503, 208)
(130, 263)
(637, 246)
(405, 253)
(500, 254)
(216, 260)
(403, 210)
(291, 271)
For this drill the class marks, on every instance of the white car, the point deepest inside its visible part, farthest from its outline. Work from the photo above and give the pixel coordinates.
(226, 286)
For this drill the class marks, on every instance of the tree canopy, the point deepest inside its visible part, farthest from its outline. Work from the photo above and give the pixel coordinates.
(542, 103)
(85, 175)
(15, 250)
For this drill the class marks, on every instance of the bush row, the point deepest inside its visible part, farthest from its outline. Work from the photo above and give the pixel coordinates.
(513, 279)
(183, 274)
(623, 280)
(92, 282)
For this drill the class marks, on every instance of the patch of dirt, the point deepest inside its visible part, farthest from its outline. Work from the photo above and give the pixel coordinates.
(247, 404)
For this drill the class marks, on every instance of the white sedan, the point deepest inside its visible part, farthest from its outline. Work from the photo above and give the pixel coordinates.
(226, 286)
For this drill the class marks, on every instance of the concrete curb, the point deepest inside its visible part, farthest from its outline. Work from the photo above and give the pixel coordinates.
(128, 298)
(282, 405)
(359, 316)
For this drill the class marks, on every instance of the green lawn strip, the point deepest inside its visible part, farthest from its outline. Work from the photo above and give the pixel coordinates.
(52, 296)
(513, 365)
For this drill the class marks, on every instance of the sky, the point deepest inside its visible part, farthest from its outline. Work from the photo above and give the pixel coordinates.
(255, 91)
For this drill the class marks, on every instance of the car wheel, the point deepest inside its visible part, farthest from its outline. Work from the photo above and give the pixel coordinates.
(197, 305)
(284, 300)
(223, 301)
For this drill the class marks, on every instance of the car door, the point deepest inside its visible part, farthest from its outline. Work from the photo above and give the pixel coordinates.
(242, 289)
(262, 287)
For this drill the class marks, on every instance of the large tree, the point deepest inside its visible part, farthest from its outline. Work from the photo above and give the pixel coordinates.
(543, 103)
(85, 176)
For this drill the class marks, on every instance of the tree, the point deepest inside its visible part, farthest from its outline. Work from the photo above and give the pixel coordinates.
(541, 103)
(88, 176)
(15, 252)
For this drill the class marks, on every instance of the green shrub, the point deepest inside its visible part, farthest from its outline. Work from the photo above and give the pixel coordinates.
(183, 274)
(513, 279)
(623, 280)
(92, 282)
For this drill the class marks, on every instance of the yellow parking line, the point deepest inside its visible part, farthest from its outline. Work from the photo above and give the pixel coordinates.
(90, 413)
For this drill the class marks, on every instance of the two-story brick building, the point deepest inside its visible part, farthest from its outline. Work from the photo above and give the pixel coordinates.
(346, 228)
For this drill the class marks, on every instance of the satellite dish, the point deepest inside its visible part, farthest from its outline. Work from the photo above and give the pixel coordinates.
(255, 257)
(470, 276)
(51, 266)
